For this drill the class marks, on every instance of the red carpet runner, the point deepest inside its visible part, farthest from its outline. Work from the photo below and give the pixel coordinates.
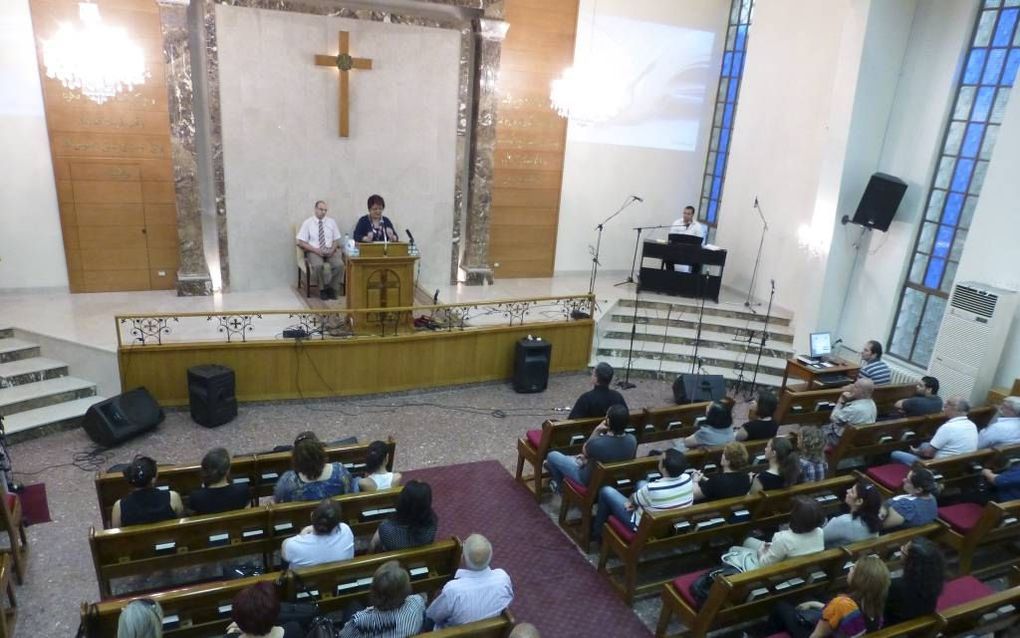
(555, 588)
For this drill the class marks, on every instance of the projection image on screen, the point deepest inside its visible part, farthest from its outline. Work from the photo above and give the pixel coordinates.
(663, 72)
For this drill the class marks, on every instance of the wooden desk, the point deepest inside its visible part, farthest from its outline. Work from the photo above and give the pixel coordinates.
(811, 373)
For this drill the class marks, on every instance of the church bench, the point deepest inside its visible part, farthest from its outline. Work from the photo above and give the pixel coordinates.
(750, 595)
(774, 509)
(877, 440)
(211, 539)
(970, 527)
(814, 407)
(8, 600)
(702, 525)
(497, 627)
(260, 471)
(203, 610)
(954, 474)
(624, 476)
(670, 422)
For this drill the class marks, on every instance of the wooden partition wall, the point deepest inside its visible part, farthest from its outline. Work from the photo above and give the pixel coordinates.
(112, 162)
(530, 137)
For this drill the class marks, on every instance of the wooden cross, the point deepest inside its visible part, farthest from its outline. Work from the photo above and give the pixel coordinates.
(344, 62)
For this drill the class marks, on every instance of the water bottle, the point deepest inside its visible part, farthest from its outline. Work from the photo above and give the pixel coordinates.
(351, 246)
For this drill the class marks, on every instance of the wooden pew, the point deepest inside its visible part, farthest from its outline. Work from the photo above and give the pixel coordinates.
(750, 595)
(702, 525)
(876, 440)
(203, 611)
(498, 627)
(970, 527)
(260, 471)
(211, 539)
(774, 509)
(8, 601)
(624, 476)
(814, 407)
(568, 436)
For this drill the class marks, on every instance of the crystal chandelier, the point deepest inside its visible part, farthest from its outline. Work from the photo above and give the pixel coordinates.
(96, 59)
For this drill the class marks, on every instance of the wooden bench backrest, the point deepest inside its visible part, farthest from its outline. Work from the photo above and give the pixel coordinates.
(670, 422)
(984, 616)
(272, 465)
(498, 627)
(1005, 455)
(726, 518)
(213, 538)
(879, 439)
(647, 425)
(200, 611)
(709, 459)
(959, 472)
(809, 407)
(999, 522)
(776, 504)
(567, 435)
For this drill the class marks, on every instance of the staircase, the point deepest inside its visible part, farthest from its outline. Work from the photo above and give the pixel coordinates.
(666, 332)
(37, 396)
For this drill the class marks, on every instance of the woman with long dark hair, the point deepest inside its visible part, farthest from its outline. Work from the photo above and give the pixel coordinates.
(218, 492)
(715, 429)
(312, 478)
(862, 522)
(916, 592)
(784, 467)
(414, 522)
(376, 476)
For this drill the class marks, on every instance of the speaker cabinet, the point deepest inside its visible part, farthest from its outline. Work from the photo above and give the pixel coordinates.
(123, 417)
(211, 395)
(694, 388)
(531, 365)
(880, 200)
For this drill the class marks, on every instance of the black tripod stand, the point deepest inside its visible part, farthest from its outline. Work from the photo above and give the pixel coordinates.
(764, 336)
(757, 260)
(598, 242)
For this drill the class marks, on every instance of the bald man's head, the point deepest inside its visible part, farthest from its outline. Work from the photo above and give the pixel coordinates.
(477, 552)
(525, 630)
(864, 388)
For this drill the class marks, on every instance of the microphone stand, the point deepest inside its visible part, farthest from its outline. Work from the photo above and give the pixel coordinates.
(764, 336)
(637, 243)
(702, 278)
(626, 384)
(754, 274)
(598, 242)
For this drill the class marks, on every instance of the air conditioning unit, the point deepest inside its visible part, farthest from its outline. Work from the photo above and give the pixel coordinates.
(971, 339)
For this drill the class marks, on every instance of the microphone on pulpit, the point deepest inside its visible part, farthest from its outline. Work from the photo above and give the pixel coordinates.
(385, 241)
(637, 199)
(409, 235)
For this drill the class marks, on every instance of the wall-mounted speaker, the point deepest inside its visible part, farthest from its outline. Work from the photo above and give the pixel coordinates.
(879, 203)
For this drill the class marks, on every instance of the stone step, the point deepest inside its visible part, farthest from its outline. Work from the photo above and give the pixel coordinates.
(13, 349)
(49, 392)
(30, 370)
(729, 325)
(644, 366)
(48, 419)
(6, 332)
(688, 336)
(716, 357)
(710, 310)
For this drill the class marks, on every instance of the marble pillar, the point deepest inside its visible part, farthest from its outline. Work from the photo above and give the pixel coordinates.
(490, 33)
(193, 271)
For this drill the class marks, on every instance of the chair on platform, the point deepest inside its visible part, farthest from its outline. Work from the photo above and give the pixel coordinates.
(14, 524)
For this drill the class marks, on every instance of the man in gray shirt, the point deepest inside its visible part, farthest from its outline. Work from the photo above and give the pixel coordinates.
(926, 401)
(608, 442)
(854, 407)
(1005, 426)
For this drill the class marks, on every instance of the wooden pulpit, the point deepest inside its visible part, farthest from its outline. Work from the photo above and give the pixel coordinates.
(382, 276)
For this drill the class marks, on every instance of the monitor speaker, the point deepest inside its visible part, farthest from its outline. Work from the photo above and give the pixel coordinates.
(123, 417)
(694, 388)
(880, 200)
(211, 395)
(531, 365)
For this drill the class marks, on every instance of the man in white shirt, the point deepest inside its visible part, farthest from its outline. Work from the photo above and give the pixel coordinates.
(853, 407)
(476, 592)
(958, 435)
(687, 225)
(1005, 427)
(320, 238)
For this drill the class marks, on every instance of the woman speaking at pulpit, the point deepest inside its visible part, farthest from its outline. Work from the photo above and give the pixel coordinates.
(374, 226)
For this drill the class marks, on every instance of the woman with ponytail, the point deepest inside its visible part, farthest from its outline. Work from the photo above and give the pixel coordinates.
(145, 503)
(376, 476)
(784, 467)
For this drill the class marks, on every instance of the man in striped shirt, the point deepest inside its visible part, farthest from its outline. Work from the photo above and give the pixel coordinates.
(872, 365)
(674, 489)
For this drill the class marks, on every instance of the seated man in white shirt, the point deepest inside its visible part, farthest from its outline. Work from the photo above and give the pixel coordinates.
(687, 225)
(853, 407)
(958, 435)
(476, 592)
(320, 238)
(1005, 427)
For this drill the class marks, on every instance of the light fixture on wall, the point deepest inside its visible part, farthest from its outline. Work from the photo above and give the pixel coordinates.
(592, 91)
(94, 58)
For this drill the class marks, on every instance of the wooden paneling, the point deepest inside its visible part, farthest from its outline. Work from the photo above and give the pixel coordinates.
(530, 138)
(112, 162)
(267, 370)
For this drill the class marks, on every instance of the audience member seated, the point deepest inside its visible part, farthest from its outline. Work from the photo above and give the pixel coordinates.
(872, 366)
(1005, 486)
(926, 400)
(312, 479)
(673, 490)
(804, 537)
(861, 522)
(958, 435)
(413, 524)
(917, 591)
(731, 482)
(1004, 429)
(608, 442)
(811, 445)
(142, 618)
(326, 540)
(376, 477)
(476, 592)
(395, 611)
(853, 407)
(255, 611)
(783, 470)
(145, 503)
(598, 400)
(716, 429)
(761, 426)
(218, 493)
(855, 613)
(918, 506)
